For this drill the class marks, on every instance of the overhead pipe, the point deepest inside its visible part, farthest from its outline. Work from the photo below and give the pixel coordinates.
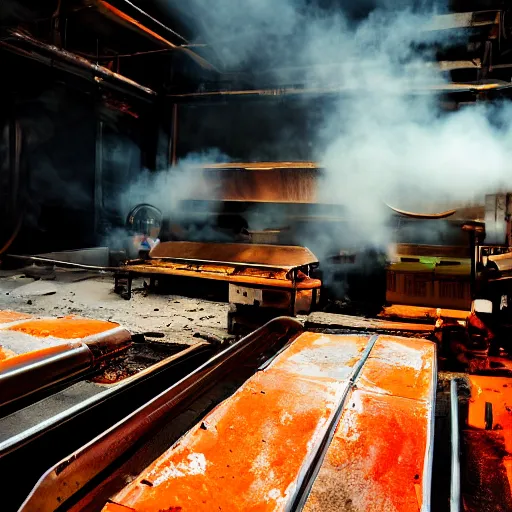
(119, 16)
(454, 87)
(97, 71)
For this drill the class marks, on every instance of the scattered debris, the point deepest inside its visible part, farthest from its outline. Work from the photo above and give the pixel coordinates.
(211, 338)
(154, 335)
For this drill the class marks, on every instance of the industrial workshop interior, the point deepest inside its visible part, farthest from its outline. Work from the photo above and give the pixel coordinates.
(256, 255)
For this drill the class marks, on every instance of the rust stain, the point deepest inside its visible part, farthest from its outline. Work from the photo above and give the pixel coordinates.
(399, 367)
(489, 452)
(5, 354)
(249, 276)
(246, 455)
(12, 316)
(114, 507)
(376, 459)
(68, 327)
(31, 339)
(498, 391)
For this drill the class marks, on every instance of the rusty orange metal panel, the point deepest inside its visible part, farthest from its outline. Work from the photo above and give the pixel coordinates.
(376, 459)
(68, 327)
(38, 352)
(249, 452)
(496, 390)
(400, 367)
(488, 447)
(272, 182)
(380, 456)
(280, 256)
(30, 335)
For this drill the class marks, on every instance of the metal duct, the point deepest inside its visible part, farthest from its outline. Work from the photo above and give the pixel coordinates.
(86, 67)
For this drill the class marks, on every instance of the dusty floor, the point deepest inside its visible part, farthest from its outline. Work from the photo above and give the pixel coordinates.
(177, 318)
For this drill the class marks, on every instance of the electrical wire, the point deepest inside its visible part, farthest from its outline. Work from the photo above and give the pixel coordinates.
(138, 54)
(156, 21)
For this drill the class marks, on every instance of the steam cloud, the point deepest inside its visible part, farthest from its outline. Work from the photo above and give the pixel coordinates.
(381, 143)
(387, 140)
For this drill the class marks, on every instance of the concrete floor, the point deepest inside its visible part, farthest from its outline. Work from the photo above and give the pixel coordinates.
(91, 295)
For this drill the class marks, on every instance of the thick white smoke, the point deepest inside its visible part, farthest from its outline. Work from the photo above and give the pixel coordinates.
(166, 190)
(387, 140)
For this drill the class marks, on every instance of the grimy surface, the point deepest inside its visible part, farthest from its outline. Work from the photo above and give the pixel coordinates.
(251, 452)
(80, 293)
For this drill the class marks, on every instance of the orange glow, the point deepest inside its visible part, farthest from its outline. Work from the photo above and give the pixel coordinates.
(68, 327)
(250, 276)
(498, 391)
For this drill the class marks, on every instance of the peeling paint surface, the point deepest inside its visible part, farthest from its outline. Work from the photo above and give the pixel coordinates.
(248, 453)
(376, 460)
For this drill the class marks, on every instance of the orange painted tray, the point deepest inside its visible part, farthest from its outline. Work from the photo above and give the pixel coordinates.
(256, 450)
(22, 334)
(37, 352)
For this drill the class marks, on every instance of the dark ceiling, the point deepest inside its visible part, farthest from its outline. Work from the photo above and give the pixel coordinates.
(176, 47)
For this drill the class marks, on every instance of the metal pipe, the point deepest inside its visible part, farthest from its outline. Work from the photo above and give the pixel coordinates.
(98, 179)
(15, 210)
(174, 135)
(455, 473)
(454, 87)
(154, 20)
(39, 259)
(473, 248)
(97, 71)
